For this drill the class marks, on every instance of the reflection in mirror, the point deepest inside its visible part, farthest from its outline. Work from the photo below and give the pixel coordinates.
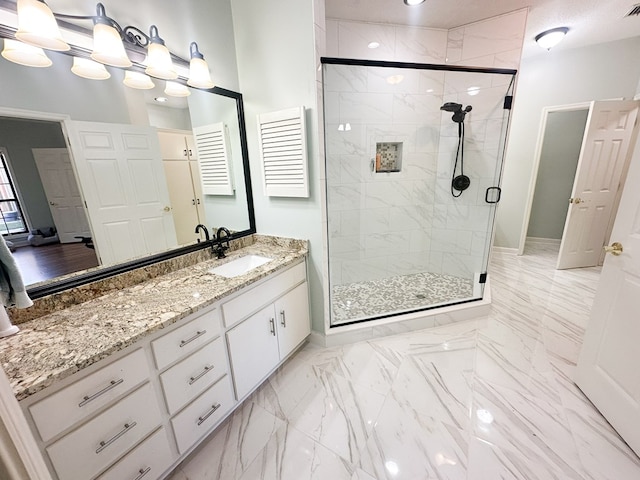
(118, 175)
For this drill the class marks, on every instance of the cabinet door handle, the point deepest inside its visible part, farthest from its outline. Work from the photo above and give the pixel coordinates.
(283, 320)
(87, 398)
(193, 201)
(142, 472)
(189, 340)
(206, 370)
(272, 326)
(198, 200)
(184, 152)
(105, 443)
(204, 417)
(190, 153)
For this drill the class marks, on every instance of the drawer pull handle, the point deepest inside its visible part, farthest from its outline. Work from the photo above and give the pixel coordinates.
(204, 417)
(283, 320)
(189, 340)
(104, 444)
(142, 473)
(272, 326)
(206, 370)
(87, 398)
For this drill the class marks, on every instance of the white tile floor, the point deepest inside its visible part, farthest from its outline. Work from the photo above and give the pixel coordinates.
(486, 399)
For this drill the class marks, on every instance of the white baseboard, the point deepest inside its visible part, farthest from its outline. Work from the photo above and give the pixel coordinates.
(544, 241)
(507, 250)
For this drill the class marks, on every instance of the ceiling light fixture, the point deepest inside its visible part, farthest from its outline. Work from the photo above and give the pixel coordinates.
(550, 38)
(38, 26)
(412, 3)
(373, 45)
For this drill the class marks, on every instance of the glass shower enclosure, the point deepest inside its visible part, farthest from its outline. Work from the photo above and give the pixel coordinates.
(413, 162)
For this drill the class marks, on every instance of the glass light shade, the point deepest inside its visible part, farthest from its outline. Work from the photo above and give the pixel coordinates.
(85, 68)
(176, 89)
(159, 62)
(138, 80)
(411, 3)
(38, 27)
(108, 47)
(199, 75)
(551, 38)
(23, 54)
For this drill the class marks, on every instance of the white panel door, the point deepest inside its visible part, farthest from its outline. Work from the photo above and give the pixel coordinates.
(183, 200)
(123, 181)
(61, 188)
(607, 369)
(607, 137)
(294, 325)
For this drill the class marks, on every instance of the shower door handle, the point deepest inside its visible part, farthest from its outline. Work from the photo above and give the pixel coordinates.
(498, 195)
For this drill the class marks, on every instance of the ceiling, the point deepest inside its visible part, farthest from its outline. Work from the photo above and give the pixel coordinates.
(590, 21)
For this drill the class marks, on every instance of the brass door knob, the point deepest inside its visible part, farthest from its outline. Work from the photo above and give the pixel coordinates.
(167, 209)
(575, 200)
(614, 249)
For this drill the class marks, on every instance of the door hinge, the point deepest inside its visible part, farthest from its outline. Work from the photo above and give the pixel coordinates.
(508, 101)
(483, 278)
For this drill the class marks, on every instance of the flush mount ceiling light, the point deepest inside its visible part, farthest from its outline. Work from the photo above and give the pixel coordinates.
(411, 3)
(38, 26)
(550, 38)
(373, 45)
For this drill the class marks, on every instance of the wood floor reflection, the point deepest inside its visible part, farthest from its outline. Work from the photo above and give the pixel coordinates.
(49, 261)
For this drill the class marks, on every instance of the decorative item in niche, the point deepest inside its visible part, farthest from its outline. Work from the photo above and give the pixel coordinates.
(388, 157)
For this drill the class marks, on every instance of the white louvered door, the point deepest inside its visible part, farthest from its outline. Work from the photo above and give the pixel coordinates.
(283, 152)
(214, 158)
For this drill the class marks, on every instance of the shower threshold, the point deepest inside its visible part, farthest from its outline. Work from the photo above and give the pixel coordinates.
(392, 295)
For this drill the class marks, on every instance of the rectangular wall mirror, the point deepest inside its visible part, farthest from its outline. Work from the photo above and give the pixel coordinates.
(116, 168)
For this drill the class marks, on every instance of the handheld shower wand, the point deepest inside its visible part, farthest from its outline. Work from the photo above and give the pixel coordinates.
(460, 182)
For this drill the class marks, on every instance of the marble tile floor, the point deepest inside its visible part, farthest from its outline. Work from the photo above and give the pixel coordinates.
(486, 399)
(362, 300)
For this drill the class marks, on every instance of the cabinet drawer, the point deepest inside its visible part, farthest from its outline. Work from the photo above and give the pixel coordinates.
(206, 411)
(186, 339)
(147, 461)
(101, 441)
(193, 375)
(84, 397)
(257, 297)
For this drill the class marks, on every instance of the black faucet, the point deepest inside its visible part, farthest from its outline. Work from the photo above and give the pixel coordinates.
(206, 232)
(219, 248)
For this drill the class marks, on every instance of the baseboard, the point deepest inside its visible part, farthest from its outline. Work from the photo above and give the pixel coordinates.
(507, 250)
(543, 241)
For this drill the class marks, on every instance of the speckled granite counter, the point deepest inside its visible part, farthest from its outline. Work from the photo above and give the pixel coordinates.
(54, 346)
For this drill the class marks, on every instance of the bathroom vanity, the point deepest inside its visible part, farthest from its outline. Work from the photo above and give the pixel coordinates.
(126, 385)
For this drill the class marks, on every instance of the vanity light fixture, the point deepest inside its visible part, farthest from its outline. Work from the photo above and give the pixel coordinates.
(550, 38)
(137, 80)
(38, 27)
(175, 89)
(107, 42)
(112, 45)
(412, 3)
(158, 60)
(23, 54)
(161, 99)
(87, 68)
(199, 75)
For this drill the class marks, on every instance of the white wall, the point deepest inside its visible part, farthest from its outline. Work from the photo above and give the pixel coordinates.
(276, 67)
(598, 72)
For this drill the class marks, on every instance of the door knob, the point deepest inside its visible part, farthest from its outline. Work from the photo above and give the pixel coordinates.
(614, 249)
(167, 209)
(53, 203)
(576, 200)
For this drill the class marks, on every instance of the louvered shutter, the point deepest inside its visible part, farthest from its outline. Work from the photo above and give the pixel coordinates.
(283, 151)
(214, 159)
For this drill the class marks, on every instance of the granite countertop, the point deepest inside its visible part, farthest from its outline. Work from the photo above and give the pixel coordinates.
(54, 346)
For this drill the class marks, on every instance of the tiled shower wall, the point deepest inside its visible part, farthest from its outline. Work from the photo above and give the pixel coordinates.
(383, 224)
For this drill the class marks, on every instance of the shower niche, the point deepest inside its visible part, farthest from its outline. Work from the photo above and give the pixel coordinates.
(388, 157)
(402, 236)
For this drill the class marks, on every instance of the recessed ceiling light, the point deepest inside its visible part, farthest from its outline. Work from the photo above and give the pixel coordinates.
(411, 3)
(161, 99)
(473, 90)
(373, 45)
(395, 79)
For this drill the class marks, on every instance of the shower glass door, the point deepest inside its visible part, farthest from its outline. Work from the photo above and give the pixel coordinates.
(413, 163)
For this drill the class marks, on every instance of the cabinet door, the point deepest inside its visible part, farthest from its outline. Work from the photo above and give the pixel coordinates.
(197, 189)
(292, 312)
(173, 146)
(253, 349)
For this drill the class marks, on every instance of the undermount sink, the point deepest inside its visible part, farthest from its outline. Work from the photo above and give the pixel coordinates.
(240, 266)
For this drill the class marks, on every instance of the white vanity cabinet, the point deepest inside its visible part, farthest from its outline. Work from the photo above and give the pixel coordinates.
(260, 341)
(137, 413)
